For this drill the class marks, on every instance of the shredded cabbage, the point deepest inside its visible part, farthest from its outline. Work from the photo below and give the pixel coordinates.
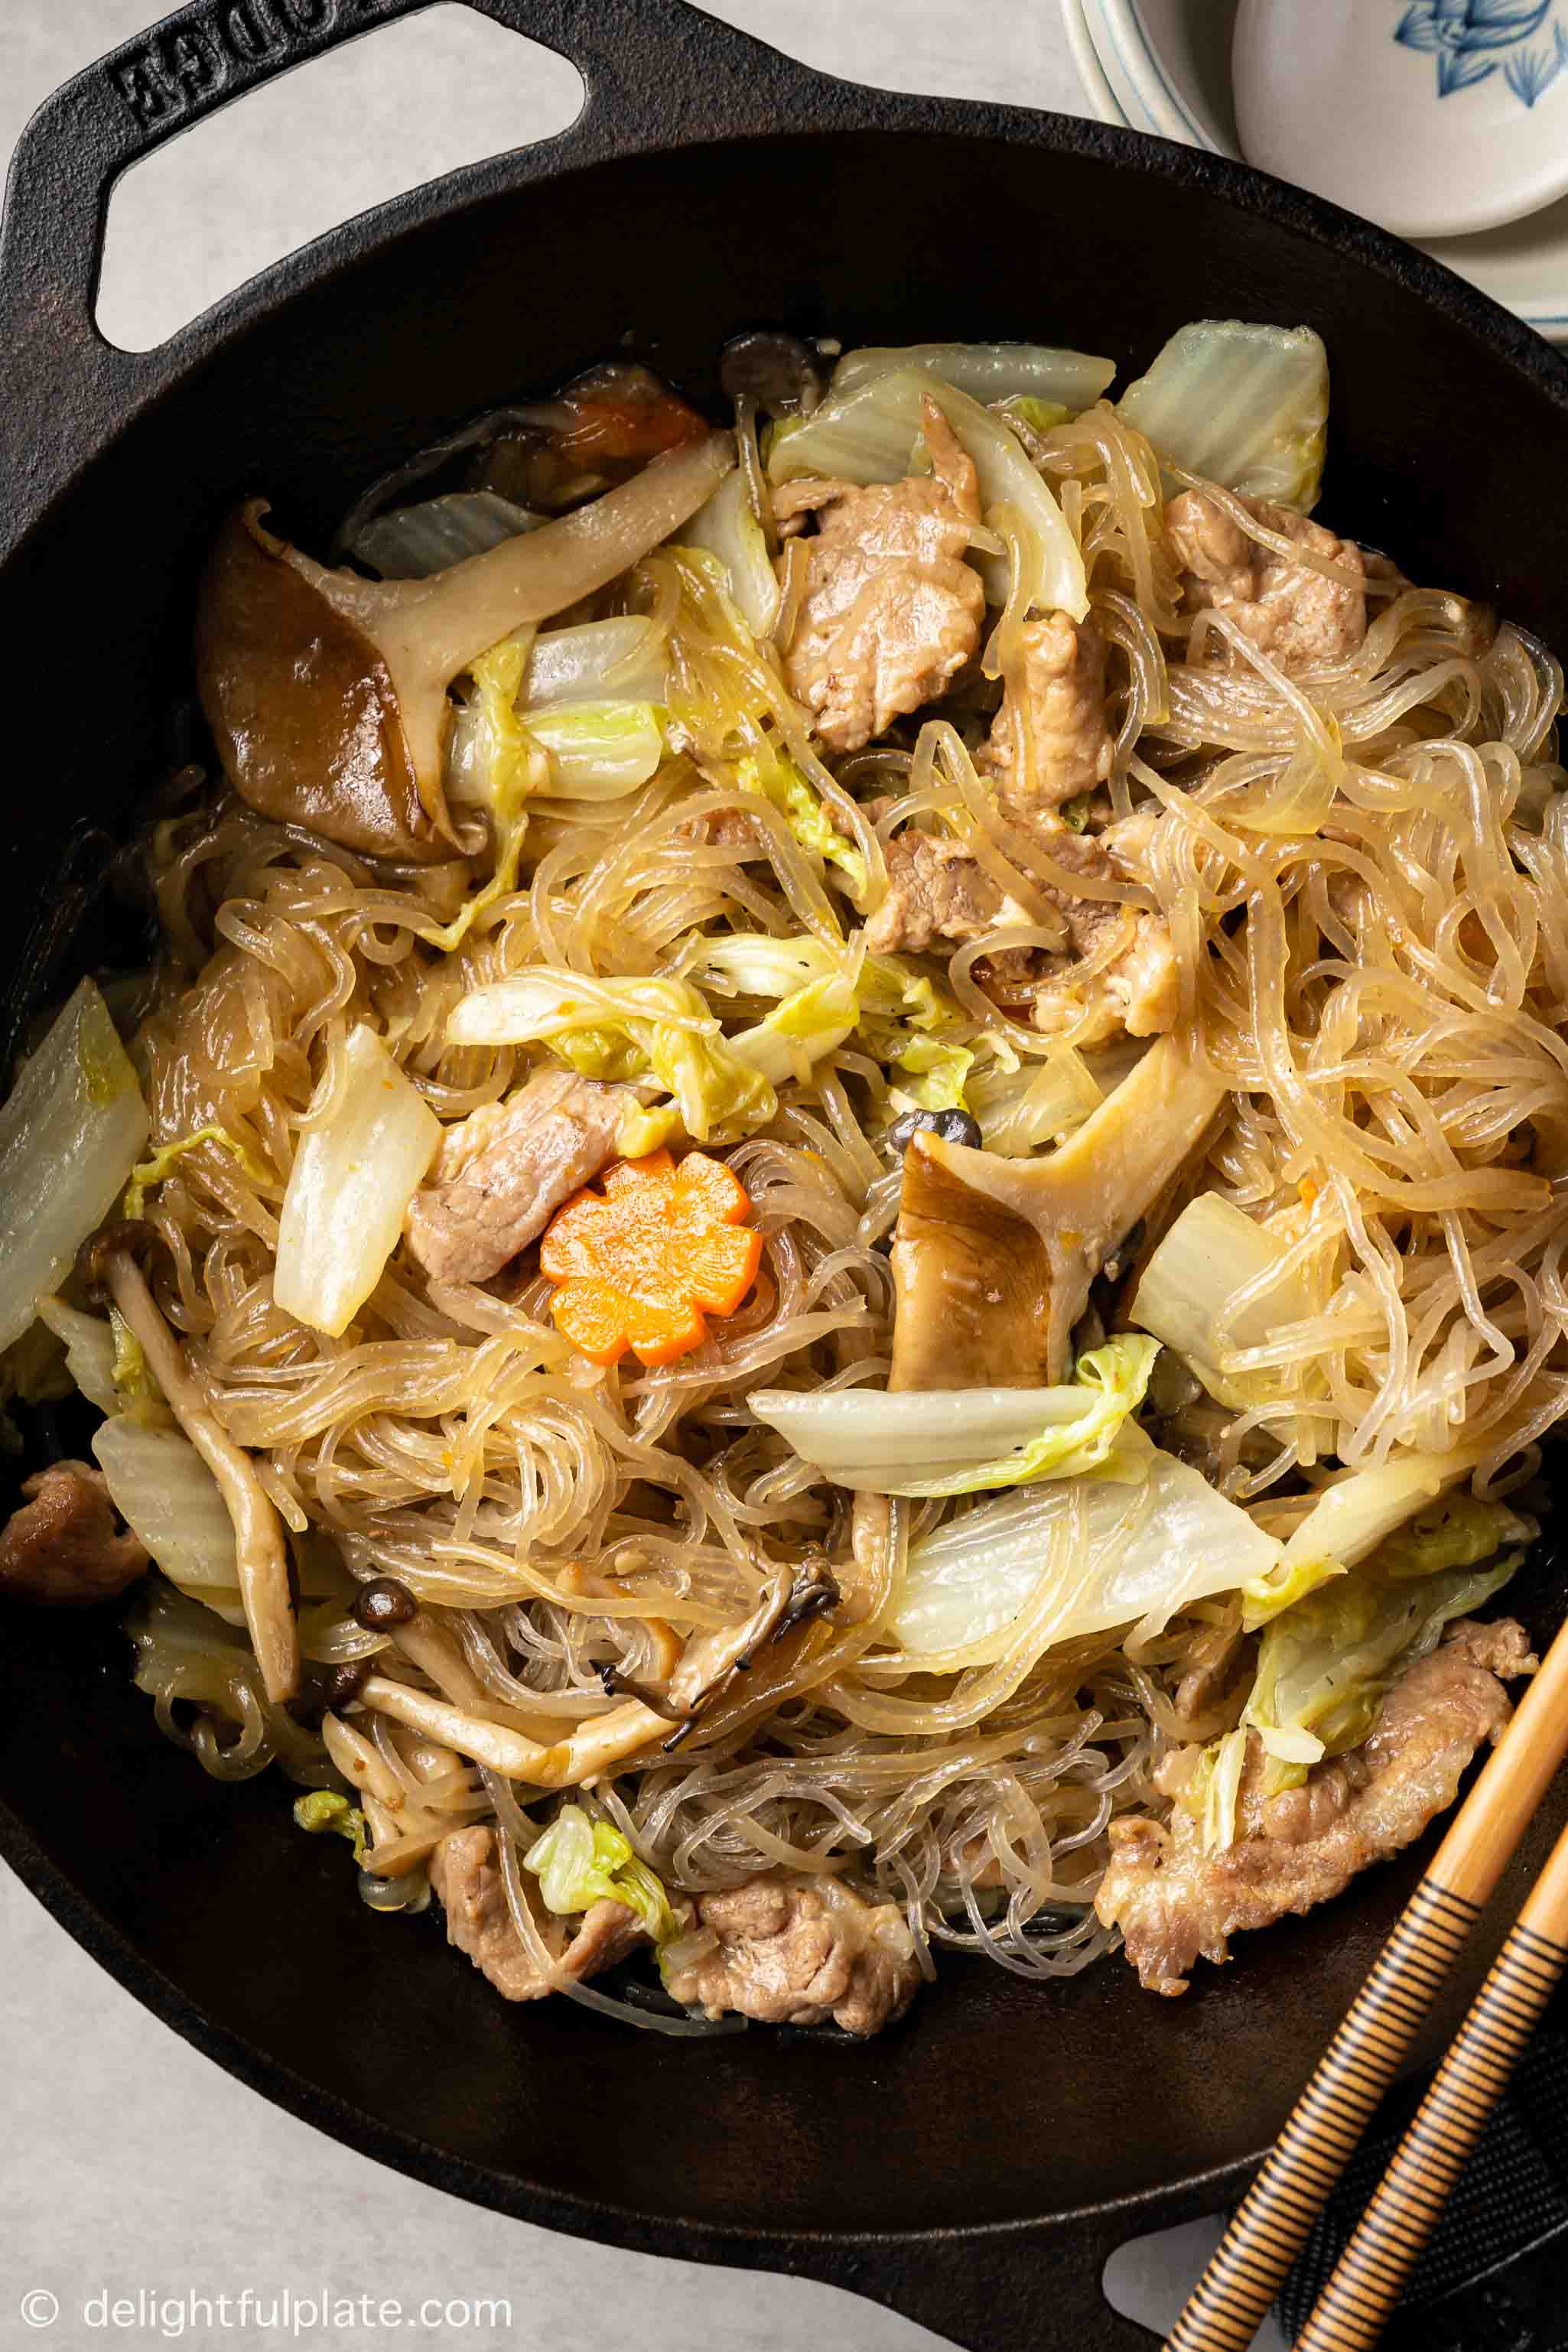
(1325, 1665)
(1245, 405)
(803, 1029)
(957, 1441)
(89, 1351)
(626, 659)
(1137, 1550)
(412, 543)
(1216, 1285)
(599, 751)
(756, 963)
(1037, 416)
(163, 1490)
(149, 1173)
(728, 528)
(134, 1384)
(778, 780)
(1023, 1105)
(936, 1074)
(589, 699)
(579, 1863)
(626, 1030)
(328, 1810)
(1032, 375)
(868, 434)
(1214, 1789)
(1458, 1532)
(1347, 1520)
(592, 698)
(893, 987)
(349, 1189)
(69, 1135)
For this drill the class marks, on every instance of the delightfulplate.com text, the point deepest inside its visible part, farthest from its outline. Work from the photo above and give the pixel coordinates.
(270, 2312)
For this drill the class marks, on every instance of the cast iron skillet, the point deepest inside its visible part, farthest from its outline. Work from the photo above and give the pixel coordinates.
(973, 2169)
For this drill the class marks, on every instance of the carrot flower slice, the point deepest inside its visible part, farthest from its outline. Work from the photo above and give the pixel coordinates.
(643, 1263)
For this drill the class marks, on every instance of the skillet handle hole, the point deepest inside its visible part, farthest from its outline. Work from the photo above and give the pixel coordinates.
(293, 159)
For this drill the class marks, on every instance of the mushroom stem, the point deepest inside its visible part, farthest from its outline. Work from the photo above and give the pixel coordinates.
(994, 1257)
(261, 1558)
(795, 1593)
(428, 1644)
(602, 1740)
(327, 692)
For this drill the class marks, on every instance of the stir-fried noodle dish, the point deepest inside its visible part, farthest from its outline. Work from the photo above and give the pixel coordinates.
(828, 1221)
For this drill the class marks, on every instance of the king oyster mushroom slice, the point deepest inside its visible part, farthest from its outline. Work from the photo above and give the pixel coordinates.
(994, 1257)
(327, 692)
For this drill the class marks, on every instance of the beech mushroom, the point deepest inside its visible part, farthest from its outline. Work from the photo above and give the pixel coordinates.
(993, 1258)
(327, 692)
(795, 1593)
(261, 1558)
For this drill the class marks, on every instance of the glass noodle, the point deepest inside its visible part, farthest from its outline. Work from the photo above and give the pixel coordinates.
(1367, 889)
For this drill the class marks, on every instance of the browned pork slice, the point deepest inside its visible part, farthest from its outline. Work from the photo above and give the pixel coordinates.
(1295, 616)
(891, 611)
(465, 1875)
(727, 828)
(937, 894)
(1132, 988)
(501, 1174)
(798, 1951)
(1050, 742)
(64, 1544)
(1173, 1902)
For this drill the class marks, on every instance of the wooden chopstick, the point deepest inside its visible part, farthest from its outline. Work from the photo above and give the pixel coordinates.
(1348, 2315)
(1227, 2306)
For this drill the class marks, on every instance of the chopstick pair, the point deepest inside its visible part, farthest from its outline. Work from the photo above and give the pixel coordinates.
(1227, 2306)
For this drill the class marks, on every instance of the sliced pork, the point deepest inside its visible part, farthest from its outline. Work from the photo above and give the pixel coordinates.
(64, 1545)
(791, 1951)
(1175, 1902)
(501, 1174)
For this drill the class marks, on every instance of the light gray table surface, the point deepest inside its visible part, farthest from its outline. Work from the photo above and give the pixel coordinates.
(130, 2168)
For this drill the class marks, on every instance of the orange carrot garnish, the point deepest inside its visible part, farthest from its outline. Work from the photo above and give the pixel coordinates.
(638, 1264)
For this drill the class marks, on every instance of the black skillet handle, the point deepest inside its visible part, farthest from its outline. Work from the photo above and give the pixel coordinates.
(657, 73)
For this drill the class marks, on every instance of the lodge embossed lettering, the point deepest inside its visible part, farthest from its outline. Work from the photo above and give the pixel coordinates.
(164, 78)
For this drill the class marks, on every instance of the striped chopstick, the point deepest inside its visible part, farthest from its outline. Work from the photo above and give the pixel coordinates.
(1228, 2305)
(1348, 2315)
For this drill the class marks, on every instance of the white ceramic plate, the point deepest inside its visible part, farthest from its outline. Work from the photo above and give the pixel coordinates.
(1164, 65)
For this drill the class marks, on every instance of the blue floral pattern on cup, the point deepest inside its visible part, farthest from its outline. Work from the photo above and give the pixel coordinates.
(1468, 39)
